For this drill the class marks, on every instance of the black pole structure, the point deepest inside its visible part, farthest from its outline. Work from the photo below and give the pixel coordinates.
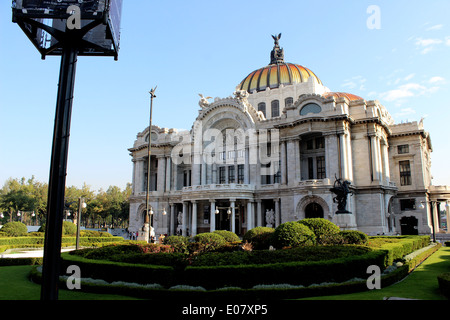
(148, 218)
(58, 172)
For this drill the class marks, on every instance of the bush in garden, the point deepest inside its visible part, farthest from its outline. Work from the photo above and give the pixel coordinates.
(293, 234)
(178, 243)
(228, 235)
(326, 232)
(259, 237)
(69, 228)
(354, 237)
(208, 241)
(14, 229)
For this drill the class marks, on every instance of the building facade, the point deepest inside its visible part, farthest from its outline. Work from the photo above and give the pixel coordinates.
(271, 153)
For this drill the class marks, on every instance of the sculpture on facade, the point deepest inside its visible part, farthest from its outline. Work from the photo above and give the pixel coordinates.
(277, 54)
(203, 103)
(342, 190)
(270, 218)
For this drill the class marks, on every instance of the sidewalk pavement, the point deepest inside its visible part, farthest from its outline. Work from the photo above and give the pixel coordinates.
(30, 253)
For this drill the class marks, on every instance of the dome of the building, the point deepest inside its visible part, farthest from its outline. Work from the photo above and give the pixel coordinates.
(274, 75)
(349, 96)
(277, 73)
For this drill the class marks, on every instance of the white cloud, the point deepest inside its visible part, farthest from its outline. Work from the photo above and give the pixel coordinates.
(427, 42)
(435, 27)
(409, 77)
(436, 80)
(447, 41)
(404, 91)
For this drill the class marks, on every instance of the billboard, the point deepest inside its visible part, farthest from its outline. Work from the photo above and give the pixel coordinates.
(45, 21)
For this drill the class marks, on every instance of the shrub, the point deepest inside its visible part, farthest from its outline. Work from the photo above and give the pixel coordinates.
(69, 228)
(444, 284)
(228, 235)
(208, 241)
(14, 229)
(354, 237)
(293, 234)
(259, 237)
(326, 232)
(178, 243)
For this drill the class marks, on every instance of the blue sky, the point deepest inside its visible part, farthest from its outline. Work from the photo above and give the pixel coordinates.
(208, 47)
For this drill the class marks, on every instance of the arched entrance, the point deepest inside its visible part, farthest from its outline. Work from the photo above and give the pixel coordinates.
(313, 210)
(409, 226)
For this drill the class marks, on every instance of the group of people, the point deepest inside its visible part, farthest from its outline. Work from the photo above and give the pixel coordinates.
(133, 235)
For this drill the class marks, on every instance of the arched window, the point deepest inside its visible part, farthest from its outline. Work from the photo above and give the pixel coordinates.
(262, 107)
(313, 210)
(288, 102)
(275, 108)
(310, 108)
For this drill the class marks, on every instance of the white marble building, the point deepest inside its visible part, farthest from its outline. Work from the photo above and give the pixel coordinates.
(270, 154)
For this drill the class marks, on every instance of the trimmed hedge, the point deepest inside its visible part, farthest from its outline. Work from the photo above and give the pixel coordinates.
(398, 247)
(14, 229)
(259, 237)
(293, 234)
(228, 235)
(444, 284)
(326, 232)
(354, 237)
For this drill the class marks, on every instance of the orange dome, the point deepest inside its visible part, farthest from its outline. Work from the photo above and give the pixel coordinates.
(349, 96)
(274, 75)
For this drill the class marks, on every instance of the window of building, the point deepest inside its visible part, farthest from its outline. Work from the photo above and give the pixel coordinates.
(241, 173)
(407, 204)
(310, 168)
(310, 108)
(275, 108)
(288, 102)
(231, 176)
(262, 107)
(320, 143)
(277, 176)
(405, 173)
(221, 175)
(320, 161)
(187, 178)
(403, 149)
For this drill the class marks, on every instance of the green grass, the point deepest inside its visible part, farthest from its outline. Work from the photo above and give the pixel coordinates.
(16, 285)
(421, 284)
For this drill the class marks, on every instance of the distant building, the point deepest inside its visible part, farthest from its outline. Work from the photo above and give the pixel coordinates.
(271, 153)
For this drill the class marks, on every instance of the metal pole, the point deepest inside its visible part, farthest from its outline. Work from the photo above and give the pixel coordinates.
(80, 208)
(432, 221)
(149, 147)
(58, 171)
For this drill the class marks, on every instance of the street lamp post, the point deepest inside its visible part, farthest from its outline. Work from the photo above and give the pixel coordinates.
(148, 213)
(81, 205)
(432, 204)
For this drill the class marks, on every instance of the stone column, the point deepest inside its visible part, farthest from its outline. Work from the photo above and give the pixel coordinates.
(249, 216)
(277, 212)
(283, 162)
(233, 215)
(139, 176)
(258, 213)
(290, 163)
(185, 222)
(172, 219)
(194, 218)
(343, 156)
(161, 173)
(298, 174)
(212, 220)
(168, 173)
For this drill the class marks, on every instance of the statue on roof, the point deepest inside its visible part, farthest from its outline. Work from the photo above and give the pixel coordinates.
(277, 54)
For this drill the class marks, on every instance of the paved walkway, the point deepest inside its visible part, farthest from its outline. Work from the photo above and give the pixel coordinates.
(29, 253)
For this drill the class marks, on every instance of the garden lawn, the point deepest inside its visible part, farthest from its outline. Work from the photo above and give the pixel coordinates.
(421, 284)
(16, 285)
